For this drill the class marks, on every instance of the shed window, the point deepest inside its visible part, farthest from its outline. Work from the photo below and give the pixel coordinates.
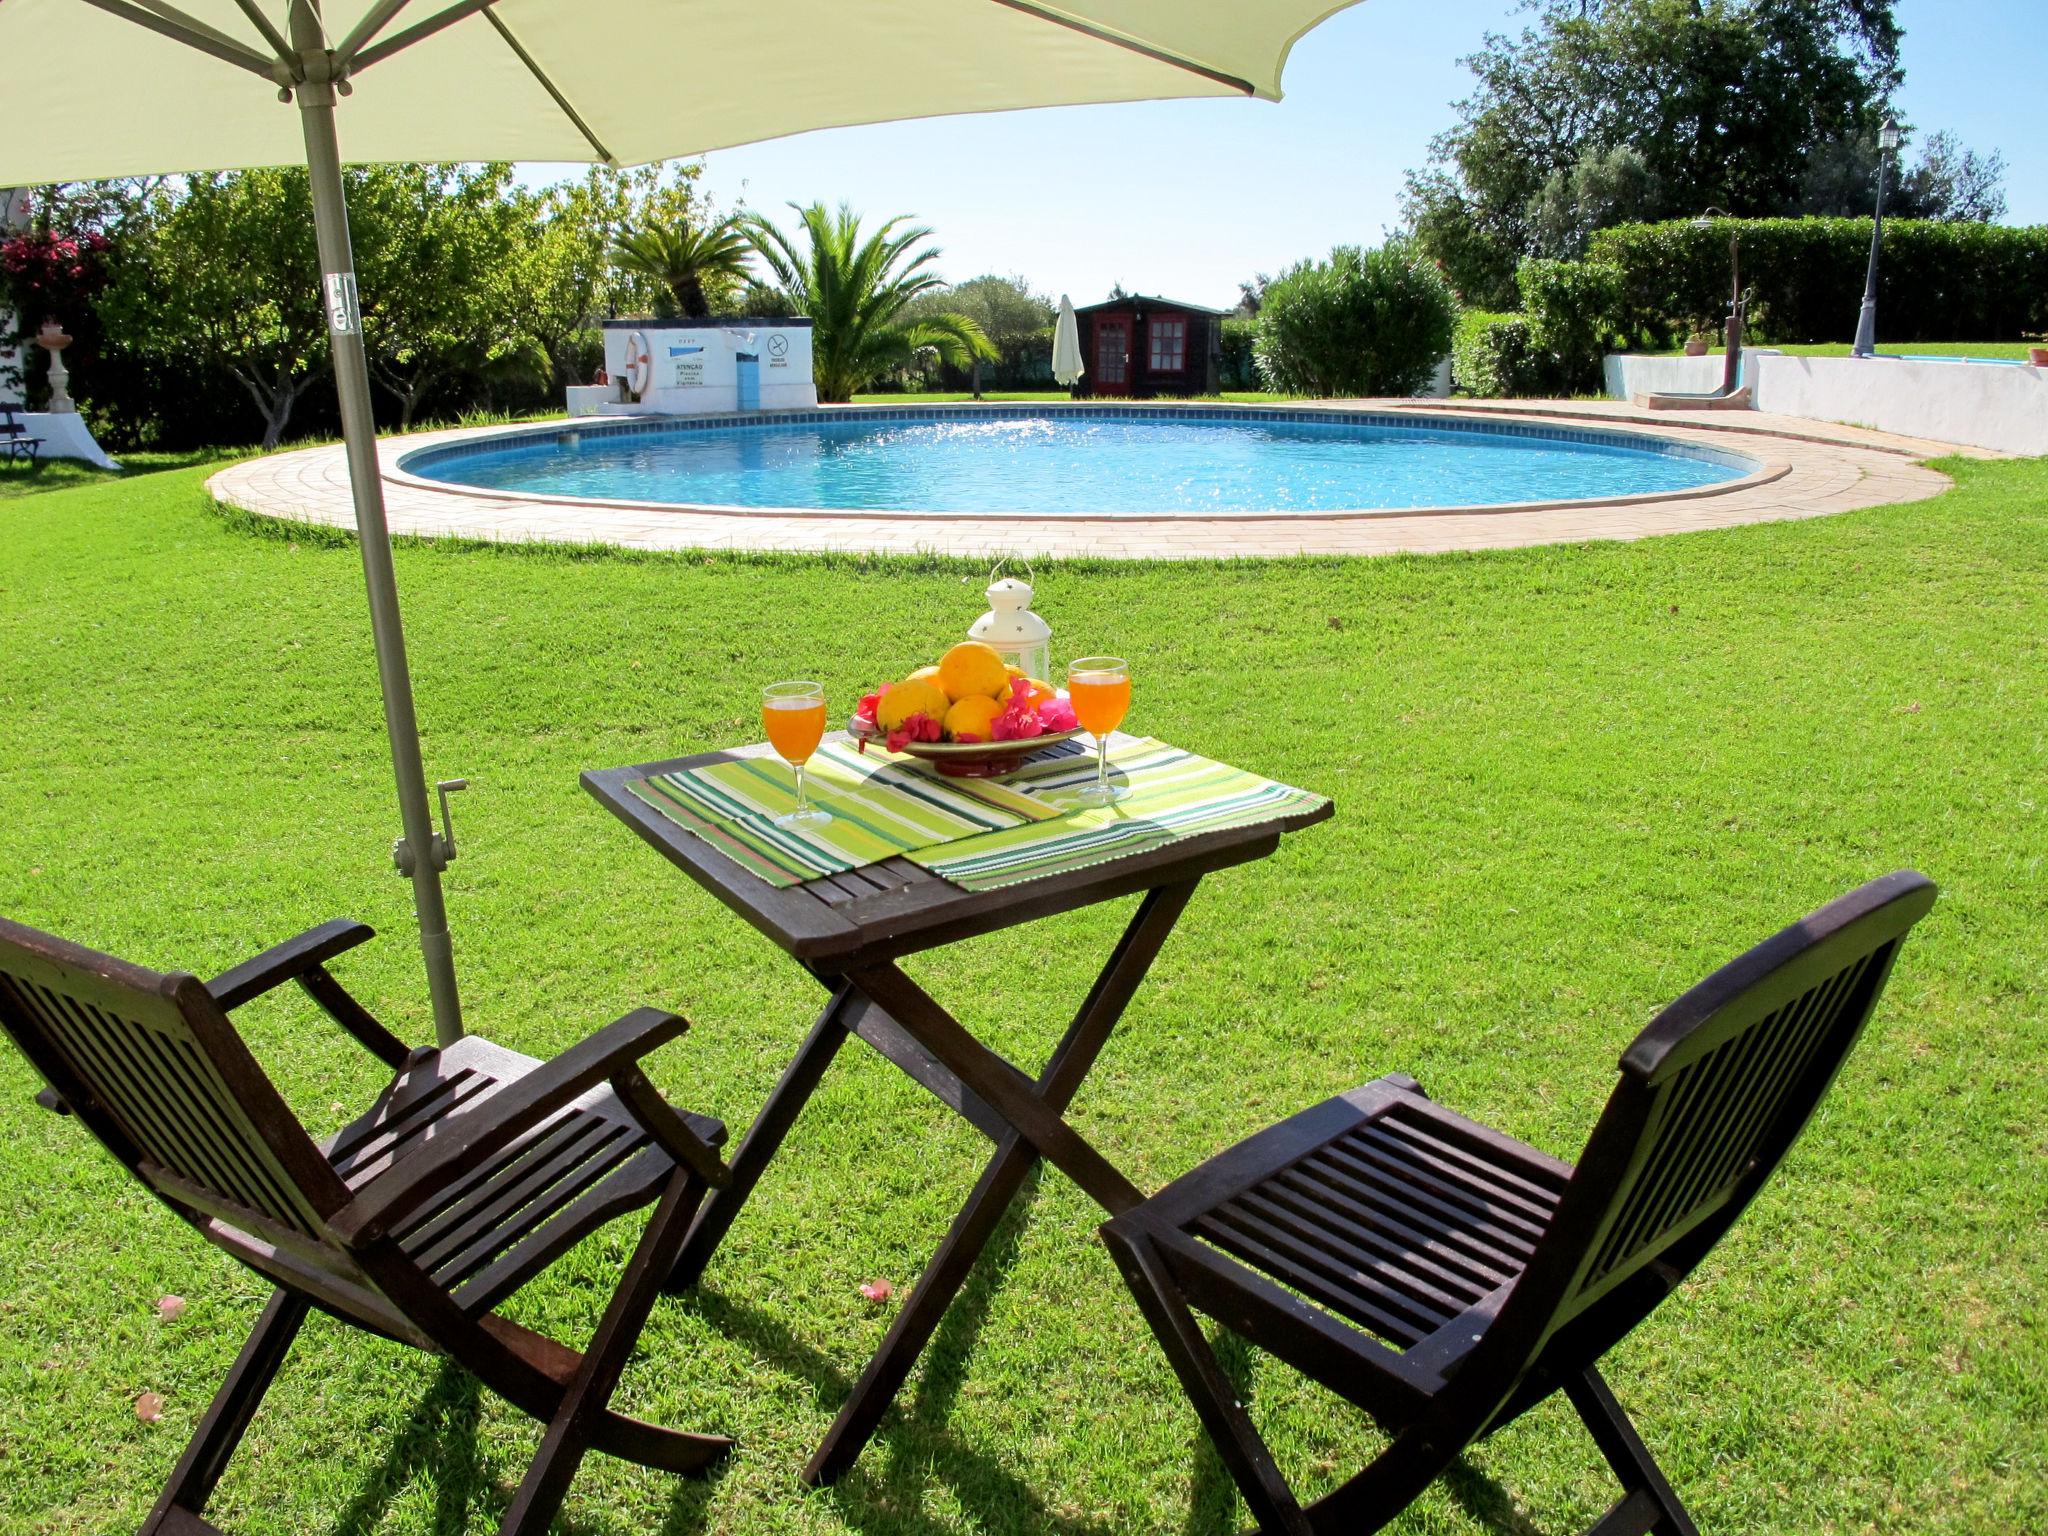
(1169, 346)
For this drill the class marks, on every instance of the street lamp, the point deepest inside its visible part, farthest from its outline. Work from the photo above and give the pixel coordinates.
(1731, 368)
(1866, 323)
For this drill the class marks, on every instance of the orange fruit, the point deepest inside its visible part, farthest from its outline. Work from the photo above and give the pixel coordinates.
(1041, 690)
(928, 674)
(972, 669)
(973, 716)
(912, 696)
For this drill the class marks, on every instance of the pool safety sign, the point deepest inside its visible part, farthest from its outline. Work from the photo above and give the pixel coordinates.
(778, 350)
(687, 359)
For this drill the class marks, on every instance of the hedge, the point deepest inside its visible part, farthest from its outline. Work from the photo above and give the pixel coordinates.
(1938, 281)
(1574, 309)
(1493, 357)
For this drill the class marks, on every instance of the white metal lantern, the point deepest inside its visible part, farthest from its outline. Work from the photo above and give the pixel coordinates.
(1019, 636)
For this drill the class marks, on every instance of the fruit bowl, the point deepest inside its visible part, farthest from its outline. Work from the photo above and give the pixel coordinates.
(964, 759)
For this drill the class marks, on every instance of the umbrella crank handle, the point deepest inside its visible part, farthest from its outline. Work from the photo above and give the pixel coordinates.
(444, 841)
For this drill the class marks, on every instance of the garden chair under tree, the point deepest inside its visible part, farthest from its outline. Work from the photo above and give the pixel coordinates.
(474, 1170)
(1447, 1279)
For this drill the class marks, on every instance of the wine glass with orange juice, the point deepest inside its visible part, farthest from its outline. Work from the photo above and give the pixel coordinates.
(1099, 687)
(793, 715)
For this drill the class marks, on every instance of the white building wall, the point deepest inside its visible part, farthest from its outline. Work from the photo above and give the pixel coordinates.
(1986, 405)
(13, 217)
(696, 368)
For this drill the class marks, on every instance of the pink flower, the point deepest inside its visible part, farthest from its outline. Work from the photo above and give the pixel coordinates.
(917, 727)
(1057, 714)
(869, 702)
(1019, 719)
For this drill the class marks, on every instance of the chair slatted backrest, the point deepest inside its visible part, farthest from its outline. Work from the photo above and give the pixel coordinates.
(1712, 1096)
(151, 1065)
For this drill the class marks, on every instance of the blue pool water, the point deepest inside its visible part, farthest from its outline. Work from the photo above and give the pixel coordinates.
(1080, 462)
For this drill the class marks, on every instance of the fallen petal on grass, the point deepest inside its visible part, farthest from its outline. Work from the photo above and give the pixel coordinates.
(877, 1290)
(149, 1407)
(169, 1308)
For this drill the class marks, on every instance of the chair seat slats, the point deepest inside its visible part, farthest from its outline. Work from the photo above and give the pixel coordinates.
(1308, 1249)
(520, 1209)
(512, 1213)
(1430, 1203)
(1405, 1236)
(1396, 1223)
(373, 1143)
(1487, 1194)
(1348, 1301)
(1407, 1268)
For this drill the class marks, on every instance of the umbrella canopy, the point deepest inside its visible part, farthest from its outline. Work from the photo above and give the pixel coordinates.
(107, 88)
(104, 87)
(1066, 345)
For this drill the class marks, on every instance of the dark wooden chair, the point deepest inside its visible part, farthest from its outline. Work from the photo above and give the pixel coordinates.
(474, 1170)
(1446, 1278)
(14, 437)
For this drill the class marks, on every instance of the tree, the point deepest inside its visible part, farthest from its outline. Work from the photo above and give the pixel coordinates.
(855, 292)
(1016, 321)
(1719, 101)
(227, 272)
(1950, 183)
(696, 267)
(1606, 187)
(436, 252)
(1361, 323)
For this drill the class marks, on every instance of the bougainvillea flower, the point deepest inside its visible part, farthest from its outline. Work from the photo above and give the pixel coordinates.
(1057, 714)
(865, 709)
(918, 727)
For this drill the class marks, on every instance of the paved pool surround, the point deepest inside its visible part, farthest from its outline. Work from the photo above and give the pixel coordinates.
(1794, 469)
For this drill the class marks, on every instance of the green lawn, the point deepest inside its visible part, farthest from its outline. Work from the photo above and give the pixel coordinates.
(1569, 782)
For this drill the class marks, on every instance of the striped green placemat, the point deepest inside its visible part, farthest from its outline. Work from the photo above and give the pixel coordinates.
(881, 807)
(1173, 795)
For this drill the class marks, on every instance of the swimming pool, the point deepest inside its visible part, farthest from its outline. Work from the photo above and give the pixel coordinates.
(1078, 461)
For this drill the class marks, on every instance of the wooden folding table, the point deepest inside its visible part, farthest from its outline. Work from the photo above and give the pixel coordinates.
(848, 931)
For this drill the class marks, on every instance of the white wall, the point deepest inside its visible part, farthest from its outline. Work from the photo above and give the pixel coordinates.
(696, 371)
(13, 218)
(1987, 405)
(1631, 375)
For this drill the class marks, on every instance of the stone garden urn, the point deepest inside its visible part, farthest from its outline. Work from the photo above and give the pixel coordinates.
(52, 338)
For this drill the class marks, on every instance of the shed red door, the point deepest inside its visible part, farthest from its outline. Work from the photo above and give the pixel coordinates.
(1112, 355)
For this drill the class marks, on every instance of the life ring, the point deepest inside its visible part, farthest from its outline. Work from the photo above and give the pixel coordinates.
(639, 362)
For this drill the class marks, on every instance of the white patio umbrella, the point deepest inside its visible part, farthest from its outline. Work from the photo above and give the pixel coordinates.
(104, 88)
(1066, 345)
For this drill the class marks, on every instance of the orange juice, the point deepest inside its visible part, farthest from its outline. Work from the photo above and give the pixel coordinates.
(794, 726)
(1100, 699)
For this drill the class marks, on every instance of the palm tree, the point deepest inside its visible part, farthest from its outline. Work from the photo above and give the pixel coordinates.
(690, 266)
(854, 292)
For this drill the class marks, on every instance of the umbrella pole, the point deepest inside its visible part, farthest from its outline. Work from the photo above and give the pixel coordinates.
(419, 853)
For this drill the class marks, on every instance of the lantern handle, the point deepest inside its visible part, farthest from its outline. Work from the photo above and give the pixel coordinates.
(1030, 573)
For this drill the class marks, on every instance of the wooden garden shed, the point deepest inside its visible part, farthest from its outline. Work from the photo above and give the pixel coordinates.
(1142, 347)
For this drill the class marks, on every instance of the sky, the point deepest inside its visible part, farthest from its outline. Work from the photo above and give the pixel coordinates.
(1188, 198)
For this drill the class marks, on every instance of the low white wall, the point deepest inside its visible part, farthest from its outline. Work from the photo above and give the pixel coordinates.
(1629, 374)
(1987, 405)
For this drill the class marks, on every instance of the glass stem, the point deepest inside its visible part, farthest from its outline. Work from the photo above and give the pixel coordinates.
(803, 803)
(1102, 762)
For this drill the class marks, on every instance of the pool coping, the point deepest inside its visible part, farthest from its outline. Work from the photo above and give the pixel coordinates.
(483, 440)
(1828, 469)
